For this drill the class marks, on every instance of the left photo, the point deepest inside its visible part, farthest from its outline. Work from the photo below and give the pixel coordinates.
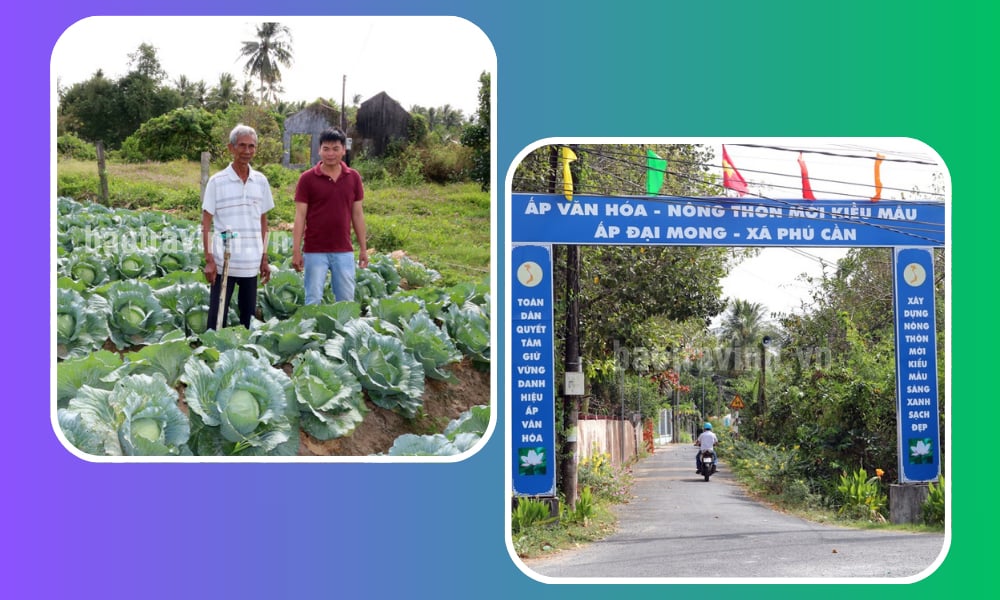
(273, 239)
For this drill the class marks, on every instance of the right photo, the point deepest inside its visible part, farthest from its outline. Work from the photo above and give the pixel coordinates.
(726, 360)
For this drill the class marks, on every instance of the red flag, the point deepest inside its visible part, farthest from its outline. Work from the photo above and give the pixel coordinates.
(731, 178)
(807, 191)
(878, 178)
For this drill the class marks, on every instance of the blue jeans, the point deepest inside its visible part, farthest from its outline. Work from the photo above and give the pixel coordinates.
(341, 267)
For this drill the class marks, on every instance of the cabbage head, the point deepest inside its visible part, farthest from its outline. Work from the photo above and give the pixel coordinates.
(328, 394)
(87, 267)
(393, 378)
(136, 317)
(81, 325)
(240, 406)
(138, 417)
(431, 346)
(135, 264)
(187, 304)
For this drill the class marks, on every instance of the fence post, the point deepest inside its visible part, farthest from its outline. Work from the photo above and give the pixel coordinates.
(205, 159)
(102, 173)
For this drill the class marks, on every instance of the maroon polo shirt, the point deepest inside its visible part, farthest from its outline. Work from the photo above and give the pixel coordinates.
(330, 206)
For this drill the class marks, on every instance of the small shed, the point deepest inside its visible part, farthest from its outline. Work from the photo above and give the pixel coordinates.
(311, 120)
(380, 121)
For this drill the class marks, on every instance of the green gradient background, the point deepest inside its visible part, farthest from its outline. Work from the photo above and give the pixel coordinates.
(918, 69)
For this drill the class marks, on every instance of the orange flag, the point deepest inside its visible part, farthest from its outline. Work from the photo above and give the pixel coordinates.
(878, 178)
(807, 192)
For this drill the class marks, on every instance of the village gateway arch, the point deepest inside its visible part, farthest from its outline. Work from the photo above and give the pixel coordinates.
(912, 228)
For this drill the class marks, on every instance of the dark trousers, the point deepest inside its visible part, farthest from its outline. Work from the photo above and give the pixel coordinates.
(246, 300)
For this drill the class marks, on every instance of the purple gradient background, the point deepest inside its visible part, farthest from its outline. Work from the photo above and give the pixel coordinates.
(76, 529)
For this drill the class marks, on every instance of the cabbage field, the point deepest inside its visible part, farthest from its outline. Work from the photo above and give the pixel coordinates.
(139, 373)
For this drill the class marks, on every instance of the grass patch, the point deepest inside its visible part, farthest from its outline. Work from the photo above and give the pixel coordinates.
(544, 540)
(445, 227)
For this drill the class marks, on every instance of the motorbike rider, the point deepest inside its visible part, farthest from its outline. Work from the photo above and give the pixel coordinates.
(706, 441)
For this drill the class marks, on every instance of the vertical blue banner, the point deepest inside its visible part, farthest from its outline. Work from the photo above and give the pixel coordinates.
(916, 365)
(532, 403)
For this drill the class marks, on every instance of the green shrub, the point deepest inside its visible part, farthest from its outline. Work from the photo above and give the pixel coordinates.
(278, 176)
(529, 512)
(932, 512)
(584, 510)
(447, 163)
(861, 497)
(183, 133)
(70, 146)
(606, 481)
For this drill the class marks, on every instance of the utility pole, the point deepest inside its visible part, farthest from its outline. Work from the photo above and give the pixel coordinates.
(761, 393)
(571, 403)
(343, 106)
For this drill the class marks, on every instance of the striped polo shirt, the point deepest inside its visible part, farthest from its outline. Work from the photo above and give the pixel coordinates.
(236, 206)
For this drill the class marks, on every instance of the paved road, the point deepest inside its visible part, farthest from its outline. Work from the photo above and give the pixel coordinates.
(679, 526)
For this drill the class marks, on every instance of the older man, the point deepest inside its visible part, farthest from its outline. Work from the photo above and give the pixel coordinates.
(236, 203)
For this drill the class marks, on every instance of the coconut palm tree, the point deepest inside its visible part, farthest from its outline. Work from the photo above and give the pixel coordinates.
(272, 47)
(743, 326)
(224, 93)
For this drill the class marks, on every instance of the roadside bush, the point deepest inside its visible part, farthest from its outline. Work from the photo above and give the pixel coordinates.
(529, 512)
(932, 512)
(861, 497)
(606, 481)
(778, 472)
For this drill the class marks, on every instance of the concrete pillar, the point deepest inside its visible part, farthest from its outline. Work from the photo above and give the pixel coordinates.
(906, 501)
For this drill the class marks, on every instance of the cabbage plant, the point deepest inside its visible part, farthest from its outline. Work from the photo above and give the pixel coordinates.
(393, 378)
(187, 304)
(328, 394)
(87, 267)
(282, 295)
(81, 324)
(136, 316)
(135, 264)
(385, 266)
(415, 274)
(329, 318)
(93, 370)
(461, 434)
(285, 339)
(431, 346)
(469, 327)
(240, 406)
(138, 417)
(395, 310)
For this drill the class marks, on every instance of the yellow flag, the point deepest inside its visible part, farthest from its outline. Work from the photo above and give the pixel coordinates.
(567, 156)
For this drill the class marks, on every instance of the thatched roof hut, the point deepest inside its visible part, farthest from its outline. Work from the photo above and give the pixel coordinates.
(381, 120)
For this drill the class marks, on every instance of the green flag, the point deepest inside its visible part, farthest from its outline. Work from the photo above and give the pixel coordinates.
(656, 168)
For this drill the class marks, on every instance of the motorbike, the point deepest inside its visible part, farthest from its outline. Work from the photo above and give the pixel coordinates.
(707, 463)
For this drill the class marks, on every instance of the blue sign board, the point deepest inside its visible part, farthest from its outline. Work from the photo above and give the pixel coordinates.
(690, 221)
(532, 392)
(916, 366)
